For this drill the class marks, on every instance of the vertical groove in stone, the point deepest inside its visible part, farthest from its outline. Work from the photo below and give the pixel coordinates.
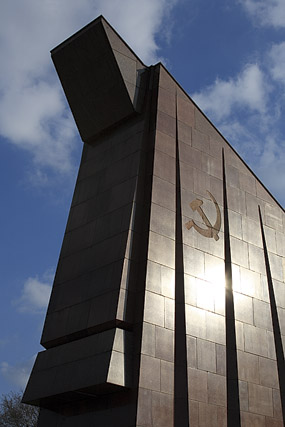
(275, 321)
(181, 408)
(145, 189)
(233, 403)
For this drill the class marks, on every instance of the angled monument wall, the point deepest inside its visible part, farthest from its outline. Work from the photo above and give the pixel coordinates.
(168, 305)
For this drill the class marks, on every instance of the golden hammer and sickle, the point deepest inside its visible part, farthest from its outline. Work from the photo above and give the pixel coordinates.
(212, 230)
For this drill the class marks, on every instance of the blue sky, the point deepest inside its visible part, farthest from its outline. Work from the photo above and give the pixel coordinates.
(228, 55)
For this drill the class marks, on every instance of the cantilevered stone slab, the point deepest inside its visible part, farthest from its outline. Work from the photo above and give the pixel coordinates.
(101, 78)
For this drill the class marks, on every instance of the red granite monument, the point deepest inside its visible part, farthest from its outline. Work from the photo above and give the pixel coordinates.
(168, 304)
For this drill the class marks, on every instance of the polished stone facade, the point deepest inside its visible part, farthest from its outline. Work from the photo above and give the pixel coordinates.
(160, 314)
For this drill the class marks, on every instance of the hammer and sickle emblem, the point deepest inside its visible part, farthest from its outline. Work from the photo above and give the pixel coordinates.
(212, 230)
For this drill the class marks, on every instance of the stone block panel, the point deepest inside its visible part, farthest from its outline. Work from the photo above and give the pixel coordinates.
(93, 364)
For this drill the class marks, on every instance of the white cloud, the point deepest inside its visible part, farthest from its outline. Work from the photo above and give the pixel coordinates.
(263, 151)
(247, 90)
(277, 62)
(33, 111)
(266, 12)
(240, 136)
(138, 23)
(35, 294)
(17, 375)
(271, 165)
(246, 109)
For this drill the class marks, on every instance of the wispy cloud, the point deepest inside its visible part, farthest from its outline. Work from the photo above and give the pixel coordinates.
(246, 109)
(17, 375)
(247, 90)
(33, 112)
(139, 23)
(266, 12)
(35, 294)
(271, 164)
(245, 139)
(276, 57)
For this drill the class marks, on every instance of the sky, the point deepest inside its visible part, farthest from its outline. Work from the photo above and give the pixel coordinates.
(229, 56)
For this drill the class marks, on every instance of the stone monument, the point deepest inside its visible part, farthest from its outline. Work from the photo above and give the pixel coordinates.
(168, 304)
